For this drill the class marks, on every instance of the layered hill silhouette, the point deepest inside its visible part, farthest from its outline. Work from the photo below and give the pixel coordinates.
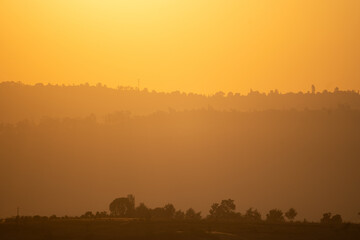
(20, 101)
(308, 159)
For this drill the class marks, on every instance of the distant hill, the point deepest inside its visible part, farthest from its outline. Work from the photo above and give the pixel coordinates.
(20, 101)
(266, 159)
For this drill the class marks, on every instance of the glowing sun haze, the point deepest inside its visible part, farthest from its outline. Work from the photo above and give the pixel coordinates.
(188, 45)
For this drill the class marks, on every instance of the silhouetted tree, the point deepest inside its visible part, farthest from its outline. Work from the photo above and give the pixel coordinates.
(275, 215)
(313, 90)
(169, 211)
(219, 94)
(158, 213)
(88, 214)
(336, 219)
(123, 207)
(329, 219)
(192, 215)
(326, 219)
(101, 214)
(165, 213)
(224, 210)
(142, 212)
(214, 210)
(179, 215)
(252, 215)
(291, 214)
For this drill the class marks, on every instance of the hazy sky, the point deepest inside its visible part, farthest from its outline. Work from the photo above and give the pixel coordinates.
(188, 45)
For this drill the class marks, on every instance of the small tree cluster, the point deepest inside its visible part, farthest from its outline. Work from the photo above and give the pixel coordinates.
(223, 210)
(125, 207)
(328, 218)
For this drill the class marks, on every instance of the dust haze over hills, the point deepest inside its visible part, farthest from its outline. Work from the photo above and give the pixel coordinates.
(69, 149)
(19, 101)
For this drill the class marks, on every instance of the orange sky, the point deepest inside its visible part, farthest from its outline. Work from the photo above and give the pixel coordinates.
(189, 45)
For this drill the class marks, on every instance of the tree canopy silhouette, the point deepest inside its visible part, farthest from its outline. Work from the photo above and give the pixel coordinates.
(275, 216)
(291, 214)
(123, 207)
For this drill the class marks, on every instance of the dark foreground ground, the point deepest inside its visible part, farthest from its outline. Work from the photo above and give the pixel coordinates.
(110, 229)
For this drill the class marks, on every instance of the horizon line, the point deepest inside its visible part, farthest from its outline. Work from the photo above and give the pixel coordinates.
(225, 93)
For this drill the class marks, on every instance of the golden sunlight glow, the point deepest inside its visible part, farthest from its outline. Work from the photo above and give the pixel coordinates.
(188, 45)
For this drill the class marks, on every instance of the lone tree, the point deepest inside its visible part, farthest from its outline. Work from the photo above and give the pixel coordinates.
(123, 207)
(275, 216)
(291, 214)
